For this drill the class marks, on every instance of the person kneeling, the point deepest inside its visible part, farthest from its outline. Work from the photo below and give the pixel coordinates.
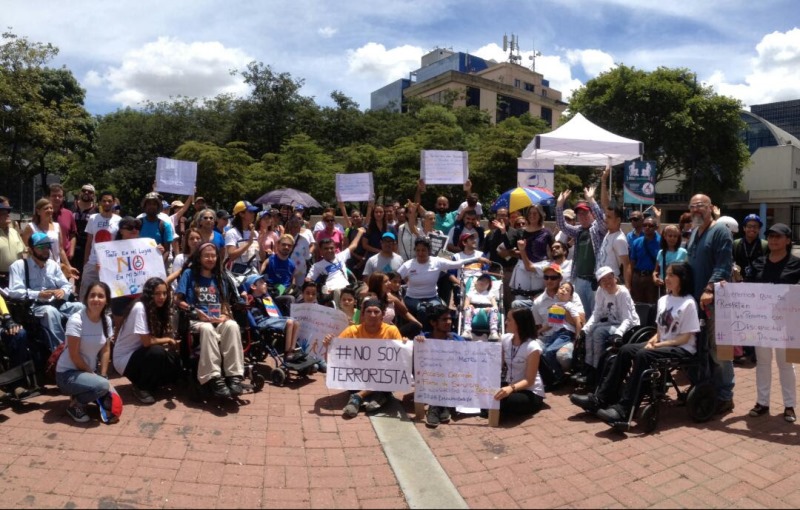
(205, 292)
(145, 351)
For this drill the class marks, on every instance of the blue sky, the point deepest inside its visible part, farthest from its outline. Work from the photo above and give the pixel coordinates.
(123, 52)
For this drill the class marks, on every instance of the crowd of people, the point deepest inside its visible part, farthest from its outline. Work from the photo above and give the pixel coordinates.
(398, 271)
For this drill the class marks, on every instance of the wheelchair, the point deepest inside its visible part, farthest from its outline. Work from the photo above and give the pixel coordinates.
(24, 380)
(480, 320)
(270, 343)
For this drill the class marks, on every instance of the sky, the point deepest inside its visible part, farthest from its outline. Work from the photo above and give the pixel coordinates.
(124, 52)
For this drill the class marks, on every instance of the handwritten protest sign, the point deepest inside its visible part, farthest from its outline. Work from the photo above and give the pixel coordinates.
(536, 173)
(452, 374)
(316, 321)
(444, 167)
(126, 265)
(438, 243)
(176, 176)
(379, 365)
(758, 314)
(354, 187)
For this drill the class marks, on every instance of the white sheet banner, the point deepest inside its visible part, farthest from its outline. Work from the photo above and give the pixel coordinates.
(536, 173)
(355, 187)
(176, 176)
(758, 314)
(452, 374)
(316, 321)
(126, 265)
(444, 167)
(363, 364)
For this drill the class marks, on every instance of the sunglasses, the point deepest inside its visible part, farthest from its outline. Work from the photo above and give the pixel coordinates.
(551, 277)
(520, 224)
(330, 221)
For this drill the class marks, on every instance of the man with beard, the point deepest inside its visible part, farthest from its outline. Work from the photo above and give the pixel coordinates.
(40, 279)
(64, 218)
(153, 226)
(102, 227)
(710, 250)
(84, 209)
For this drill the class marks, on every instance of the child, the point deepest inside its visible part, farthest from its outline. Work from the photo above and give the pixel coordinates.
(481, 297)
(670, 252)
(347, 304)
(309, 293)
(264, 315)
(563, 320)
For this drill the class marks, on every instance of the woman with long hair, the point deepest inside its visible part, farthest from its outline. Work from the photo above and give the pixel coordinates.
(522, 392)
(413, 229)
(396, 311)
(207, 295)
(145, 350)
(671, 251)
(378, 226)
(88, 334)
(189, 243)
(42, 221)
(269, 231)
(241, 240)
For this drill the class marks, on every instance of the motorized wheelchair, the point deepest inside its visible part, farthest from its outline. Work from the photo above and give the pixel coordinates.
(21, 381)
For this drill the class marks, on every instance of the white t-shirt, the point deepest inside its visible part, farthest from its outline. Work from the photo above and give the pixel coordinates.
(128, 341)
(613, 247)
(523, 279)
(480, 298)
(562, 237)
(336, 271)
(235, 238)
(92, 336)
(301, 252)
(516, 360)
(103, 230)
(379, 262)
(675, 316)
(471, 270)
(464, 205)
(617, 309)
(541, 312)
(422, 278)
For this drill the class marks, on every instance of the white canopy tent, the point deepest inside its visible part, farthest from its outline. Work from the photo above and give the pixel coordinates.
(581, 143)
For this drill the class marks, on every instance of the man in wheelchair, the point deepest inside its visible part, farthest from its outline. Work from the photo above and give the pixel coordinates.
(266, 316)
(39, 279)
(677, 325)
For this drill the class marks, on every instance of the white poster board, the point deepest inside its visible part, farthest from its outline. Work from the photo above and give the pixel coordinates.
(757, 314)
(316, 321)
(355, 187)
(455, 374)
(126, 265)
(533, 173)
(363, 364)
(176, 176)
(444, 167)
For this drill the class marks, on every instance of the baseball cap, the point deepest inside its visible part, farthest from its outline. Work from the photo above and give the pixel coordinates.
(553, 267)
(389, 235)
(569, 214)
(603, 271)
(40, 239)
(222, 214)
(244, 205)
(199, 199)
(177, 203)
(780, 228)
(151, 196)
(88, 187)
(5, 207)
(463, 237)
(582, 206)
(252, 280)
(753, 217)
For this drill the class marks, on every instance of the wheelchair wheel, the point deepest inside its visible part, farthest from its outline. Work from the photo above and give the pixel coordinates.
(643, 334)
(278, 376)
(701, 402)
(649, 419)
(258, 381)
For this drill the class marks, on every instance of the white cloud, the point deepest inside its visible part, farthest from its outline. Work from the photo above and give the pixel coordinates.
(774, 74)
(593, 61)
(374, 62)
(169, 67)
(327, 32)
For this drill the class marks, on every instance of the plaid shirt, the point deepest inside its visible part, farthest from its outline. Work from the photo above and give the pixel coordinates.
(597, 230)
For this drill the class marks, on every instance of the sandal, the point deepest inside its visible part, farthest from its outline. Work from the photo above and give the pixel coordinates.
(759, 410)
(788, 415)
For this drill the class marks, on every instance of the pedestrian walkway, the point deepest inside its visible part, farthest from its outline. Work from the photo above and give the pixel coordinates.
(289, 448)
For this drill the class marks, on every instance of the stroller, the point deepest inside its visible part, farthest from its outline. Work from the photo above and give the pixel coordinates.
(480, 326)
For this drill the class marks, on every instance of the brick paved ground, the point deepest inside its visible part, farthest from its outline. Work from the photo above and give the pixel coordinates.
(288, 447)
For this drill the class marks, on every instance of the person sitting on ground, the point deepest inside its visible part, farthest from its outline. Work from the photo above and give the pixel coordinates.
(347, 304)
(205, 294)
(372, 326)
(522, 392)
(88, 334)
(677, 323)
(440, 326)
(614, 314)
(481, 297)
(266, 316)
(395, 311)
(145, 350)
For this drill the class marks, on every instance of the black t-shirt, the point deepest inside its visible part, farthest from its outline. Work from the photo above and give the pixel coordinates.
(537, 242)
(490, 243)
(786, 270)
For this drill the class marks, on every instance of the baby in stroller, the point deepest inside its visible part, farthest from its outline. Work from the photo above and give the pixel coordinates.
(480, 298)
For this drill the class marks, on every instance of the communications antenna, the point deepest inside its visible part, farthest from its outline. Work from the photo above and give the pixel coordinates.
(512, 47)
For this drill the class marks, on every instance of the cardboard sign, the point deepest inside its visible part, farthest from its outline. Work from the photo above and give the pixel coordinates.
(757, 314)
(438, 244)
(126, 265)
(176, 176)
(355, 187)
(444, 167)
(362, 364)
(640, 182)
(451, 374)
(317, 321)
(533, 173)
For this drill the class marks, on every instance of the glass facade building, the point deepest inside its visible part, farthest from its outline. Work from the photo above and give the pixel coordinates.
(784, 114)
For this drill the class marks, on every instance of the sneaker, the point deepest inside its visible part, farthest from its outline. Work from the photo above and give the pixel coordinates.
(219, 388)
(77, 412)
(467, 335)
(493, 336)
(143, 396)
(377, 401)
(758, 410)
(352, 407)
(588, 402)
(444, 414)
(788, 415)
(432, 419)
(724, 406)
(234, 384)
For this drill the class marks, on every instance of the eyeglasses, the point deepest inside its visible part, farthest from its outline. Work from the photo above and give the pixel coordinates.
(207, 218)
(552, 277)
(701, 205)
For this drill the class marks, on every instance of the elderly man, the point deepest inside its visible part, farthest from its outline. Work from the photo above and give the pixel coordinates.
(710, 250)
(11, 245)
(40, 279)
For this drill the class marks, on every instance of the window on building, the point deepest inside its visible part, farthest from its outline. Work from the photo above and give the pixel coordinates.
(510, 107)
(473, 97)
(516, 83)
(544, 92)
(547, 115)
(529, 86)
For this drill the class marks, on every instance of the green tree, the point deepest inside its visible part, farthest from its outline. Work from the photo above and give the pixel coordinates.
(221, 170)
(302, 164)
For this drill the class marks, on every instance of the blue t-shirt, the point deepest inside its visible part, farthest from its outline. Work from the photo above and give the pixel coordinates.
(207, 298)
(152, 229)
(219, 242)
(679, 255)
(280, 272)
(643, 253)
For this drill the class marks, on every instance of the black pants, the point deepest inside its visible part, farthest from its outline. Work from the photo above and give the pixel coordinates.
(149, 368)
(521, 403)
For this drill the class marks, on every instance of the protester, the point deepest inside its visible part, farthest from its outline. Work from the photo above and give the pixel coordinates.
(395, 311)
(65, 219)
(561, 236)
(330, 231)
(480, 297)
(145, 350)
(101, 227)
(669, 253)
(333, 266)
(241, 240)
(779, 266)
(424, 228)
(635, 218)
(371, 242)
(268, 233)
(88, 334)
(685, 226)
(205, 221)
(83, 210)
(522, 391)
(357, 259)
(222, 222)
(748, 248)
(192, 239)
(386, 260)
(303, 249)
(177, 215)
(614, 251)
(129, 228)
(266, 316)
(155, 227)
(11, 244)
(42, 221)
(644, 254)
(537, 237)
(469, 225)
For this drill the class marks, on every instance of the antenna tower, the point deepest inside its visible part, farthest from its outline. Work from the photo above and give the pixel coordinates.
(512, 47)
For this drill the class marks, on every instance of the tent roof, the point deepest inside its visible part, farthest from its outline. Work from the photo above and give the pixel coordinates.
(581, 143)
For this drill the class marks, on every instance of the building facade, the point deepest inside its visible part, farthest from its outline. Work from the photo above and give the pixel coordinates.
(784, 114)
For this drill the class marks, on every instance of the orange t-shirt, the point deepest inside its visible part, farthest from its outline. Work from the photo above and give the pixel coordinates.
(387, 332)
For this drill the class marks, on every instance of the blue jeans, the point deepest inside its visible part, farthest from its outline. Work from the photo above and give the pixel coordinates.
(52, 319)
(17, 346)
(83, 386)
(418, 306)
(584, 290)
(551, 347)
(597, 341)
